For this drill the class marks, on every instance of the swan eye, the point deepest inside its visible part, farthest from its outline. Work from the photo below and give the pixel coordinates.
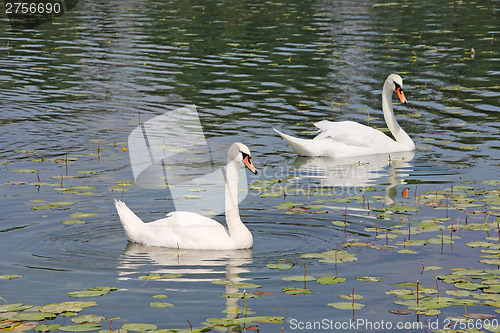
(245, 155)
(396, 85)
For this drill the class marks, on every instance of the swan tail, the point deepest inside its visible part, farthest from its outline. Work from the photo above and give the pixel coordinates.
(131, 222)
(303, 147)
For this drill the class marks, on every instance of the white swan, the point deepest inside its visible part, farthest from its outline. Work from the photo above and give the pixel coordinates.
(187, 230)
(348, 138)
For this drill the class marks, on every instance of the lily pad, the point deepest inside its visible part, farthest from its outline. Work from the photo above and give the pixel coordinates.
(78, 215)
(87, 293)
(400, 311)
(92, 292)
(80, 328)
(470, 285)
(160, 304)
(330, 280)
(46, 328)
(459, 293)
(87, 319)
(25, 170)
(73, 221)
(299, 278)
(9, 276)
(244, 285)
(14, 307)
(65, 307)
(296, 291)
(280, 266)
(38, 316)
(351, 296)
(155, 276)
(136, 327)
(368, 279)
(346, 305)
(481, 244)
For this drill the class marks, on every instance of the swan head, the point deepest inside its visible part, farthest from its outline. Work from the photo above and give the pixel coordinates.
(239, 152)
(396, 83)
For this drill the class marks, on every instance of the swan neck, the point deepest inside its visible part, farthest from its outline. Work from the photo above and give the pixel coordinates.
(231, 196)
(399, 134)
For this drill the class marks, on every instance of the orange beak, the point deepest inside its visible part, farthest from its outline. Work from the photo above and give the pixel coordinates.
(249, 164)
(401, 95)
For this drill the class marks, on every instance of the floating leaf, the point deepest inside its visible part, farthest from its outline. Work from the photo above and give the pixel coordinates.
(86, 293)
(14, 307)
(468, 147)
(244, 285)
(160, 296)
(65, 307)
(432, 268)
(280, 266)
(399, 292)
(490, 261)
(135, 327)
(160, 304)
(286, 205)
(38, 316)
(155, 276)
(368, 279)
(351, 296)
(240, 295)
(346, 305)
(459, 293)
(400, 311)
(407, 251)
(25, 170)
(481, 244)
(87, 319)
(432, 312)
(78, 215)
(405, 284)
(470, 285)
(220, 282)
(72, 221)
(299, 278)
(80, 328)
(330, 280)
(9, 276)
(480, 316)
(92, 292)
(296, 291)
(192, 196)
(9, 325)
(46, 328)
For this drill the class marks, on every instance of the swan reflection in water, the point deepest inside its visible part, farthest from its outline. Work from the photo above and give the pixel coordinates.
(201, 266)
(355, 173)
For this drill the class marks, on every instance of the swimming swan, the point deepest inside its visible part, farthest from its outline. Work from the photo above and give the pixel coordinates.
(348, 138)
(187, 230)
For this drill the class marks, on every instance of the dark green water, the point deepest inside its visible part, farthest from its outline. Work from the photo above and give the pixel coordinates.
(81, 83)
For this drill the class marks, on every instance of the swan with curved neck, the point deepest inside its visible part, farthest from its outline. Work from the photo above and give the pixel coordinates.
(187, 230)
(348, 138)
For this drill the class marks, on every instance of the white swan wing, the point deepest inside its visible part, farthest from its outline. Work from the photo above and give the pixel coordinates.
(352, 134)
(186, 230)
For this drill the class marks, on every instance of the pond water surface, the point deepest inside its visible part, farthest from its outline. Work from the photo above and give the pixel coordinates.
(73, 89)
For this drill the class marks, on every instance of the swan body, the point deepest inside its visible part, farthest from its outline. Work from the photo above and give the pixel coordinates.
(187, 230)
(348, 138)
